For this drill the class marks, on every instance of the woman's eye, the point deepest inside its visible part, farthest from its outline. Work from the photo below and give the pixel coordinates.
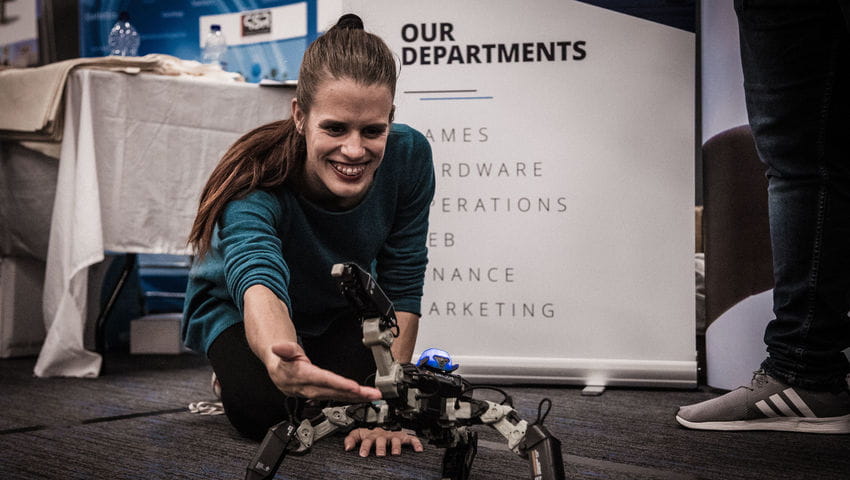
(334, 129)
(373, 132)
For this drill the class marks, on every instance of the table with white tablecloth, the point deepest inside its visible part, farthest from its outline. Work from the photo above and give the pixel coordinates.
(136, 152)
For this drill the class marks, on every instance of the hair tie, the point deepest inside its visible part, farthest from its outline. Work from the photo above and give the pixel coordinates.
(349, 21)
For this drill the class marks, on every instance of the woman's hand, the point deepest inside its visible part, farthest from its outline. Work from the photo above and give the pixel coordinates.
(294, 374)
(380, 438)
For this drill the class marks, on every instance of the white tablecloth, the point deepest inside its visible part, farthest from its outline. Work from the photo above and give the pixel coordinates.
(136, 152)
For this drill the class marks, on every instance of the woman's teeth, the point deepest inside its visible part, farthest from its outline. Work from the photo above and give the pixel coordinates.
(348, 170)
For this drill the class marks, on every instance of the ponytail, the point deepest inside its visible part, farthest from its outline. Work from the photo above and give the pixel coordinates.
(262, 158)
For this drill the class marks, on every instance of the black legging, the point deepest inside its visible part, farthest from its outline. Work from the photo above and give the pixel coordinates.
(251, 400)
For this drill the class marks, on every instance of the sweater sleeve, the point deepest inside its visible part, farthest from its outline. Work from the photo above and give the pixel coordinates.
(402, 261)
(251, 248)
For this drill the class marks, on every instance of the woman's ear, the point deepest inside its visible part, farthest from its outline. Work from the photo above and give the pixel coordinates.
(298, 116)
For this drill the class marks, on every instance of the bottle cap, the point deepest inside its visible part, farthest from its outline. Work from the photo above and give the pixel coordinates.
(215, 27)
(124, 16)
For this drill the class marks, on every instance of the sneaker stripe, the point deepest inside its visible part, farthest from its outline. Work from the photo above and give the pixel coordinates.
(797, 413)
(766, 409)
(782, 406)
(799, 403)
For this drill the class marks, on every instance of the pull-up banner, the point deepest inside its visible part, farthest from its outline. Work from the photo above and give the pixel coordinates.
(562, 234)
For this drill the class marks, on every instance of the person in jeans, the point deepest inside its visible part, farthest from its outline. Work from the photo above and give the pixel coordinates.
(796, 62)
(335, 182)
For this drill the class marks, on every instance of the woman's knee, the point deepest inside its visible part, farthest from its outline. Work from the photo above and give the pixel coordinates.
(252, 415)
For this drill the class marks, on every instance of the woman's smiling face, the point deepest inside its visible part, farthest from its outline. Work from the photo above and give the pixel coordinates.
(346, 133)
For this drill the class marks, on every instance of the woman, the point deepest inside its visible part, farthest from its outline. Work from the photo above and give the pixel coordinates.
(335, 182)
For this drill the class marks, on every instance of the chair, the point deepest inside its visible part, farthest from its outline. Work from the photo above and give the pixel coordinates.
(738, 259)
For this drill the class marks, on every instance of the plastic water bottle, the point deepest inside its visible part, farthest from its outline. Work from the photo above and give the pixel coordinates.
(123, 38)
(215, 47)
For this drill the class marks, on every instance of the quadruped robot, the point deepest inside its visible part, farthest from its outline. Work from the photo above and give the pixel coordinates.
(426, 398)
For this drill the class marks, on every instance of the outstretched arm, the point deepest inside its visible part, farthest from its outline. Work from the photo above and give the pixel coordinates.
(271, 336)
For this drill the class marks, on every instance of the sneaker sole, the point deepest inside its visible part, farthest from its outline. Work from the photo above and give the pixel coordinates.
(833, 425)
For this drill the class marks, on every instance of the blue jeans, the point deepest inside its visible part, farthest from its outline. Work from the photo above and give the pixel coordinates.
(796, 62)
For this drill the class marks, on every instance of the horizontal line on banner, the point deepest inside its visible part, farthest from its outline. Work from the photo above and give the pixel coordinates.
(456, 98)
(440, 91)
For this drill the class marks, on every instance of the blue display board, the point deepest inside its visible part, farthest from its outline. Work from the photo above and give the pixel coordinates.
(266, 38)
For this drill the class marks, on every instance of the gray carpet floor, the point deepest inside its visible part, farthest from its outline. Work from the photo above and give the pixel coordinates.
(133, 423)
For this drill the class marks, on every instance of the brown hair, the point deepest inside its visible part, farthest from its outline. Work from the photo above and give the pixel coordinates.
(274, 153)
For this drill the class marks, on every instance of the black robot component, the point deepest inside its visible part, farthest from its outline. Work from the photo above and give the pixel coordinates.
(426, 398)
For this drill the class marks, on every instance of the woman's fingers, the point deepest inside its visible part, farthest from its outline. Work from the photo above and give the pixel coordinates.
(395, 447)
(366, 445)
(414, 442)
(380, 438)
(325, 385)
(295, 375)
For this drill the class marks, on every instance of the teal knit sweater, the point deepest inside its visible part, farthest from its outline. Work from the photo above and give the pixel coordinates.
(281, 240)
